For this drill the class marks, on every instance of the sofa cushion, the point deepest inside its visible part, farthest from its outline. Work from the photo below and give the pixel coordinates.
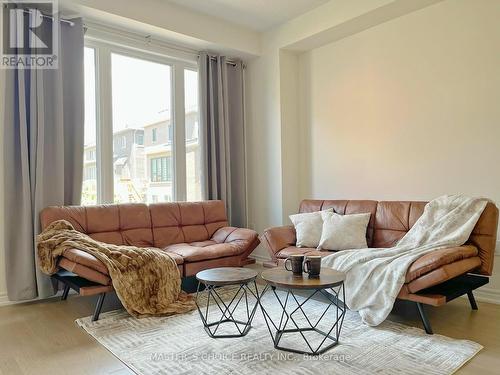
(343, 232)
(444, 273)
(278, 238)
(344, 207)
(90, 261)
(438, 258)
(308, 228)
(157, 225)
(321, 253)
(185, 222)
(192, 253)
(293, 250)
(135, 225)
(76, 215)
(103, 218)
(177, 258)
(85, 259)
(233, 234)
(393, 220)
(84, 271)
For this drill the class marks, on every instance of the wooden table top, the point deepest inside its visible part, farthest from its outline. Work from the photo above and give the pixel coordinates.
(227, 276)
(280, 277)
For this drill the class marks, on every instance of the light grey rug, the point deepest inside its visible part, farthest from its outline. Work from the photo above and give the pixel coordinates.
(179, 345)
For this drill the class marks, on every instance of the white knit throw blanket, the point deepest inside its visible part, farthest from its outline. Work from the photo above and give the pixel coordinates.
(374, 277)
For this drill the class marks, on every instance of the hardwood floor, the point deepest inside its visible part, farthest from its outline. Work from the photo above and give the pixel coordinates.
(42, 337)
(456, 319)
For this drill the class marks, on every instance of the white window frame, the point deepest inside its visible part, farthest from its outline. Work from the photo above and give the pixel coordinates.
(104, 110)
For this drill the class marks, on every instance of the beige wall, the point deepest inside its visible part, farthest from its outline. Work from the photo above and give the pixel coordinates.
(408, 109)
(272, 105)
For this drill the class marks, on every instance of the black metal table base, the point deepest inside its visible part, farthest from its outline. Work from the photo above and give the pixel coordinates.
(227, 310)
(332, 334)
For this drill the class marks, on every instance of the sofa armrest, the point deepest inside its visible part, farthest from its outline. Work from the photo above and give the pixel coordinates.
(84, 271)
(277, 238)
(245, 240)
(233, 234)
(85, 259)
(438, 258)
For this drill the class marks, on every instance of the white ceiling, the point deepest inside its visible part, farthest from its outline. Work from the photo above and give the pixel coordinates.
(257, 15)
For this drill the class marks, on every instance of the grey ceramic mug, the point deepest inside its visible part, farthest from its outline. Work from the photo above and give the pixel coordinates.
(296, 264)
(312, 265)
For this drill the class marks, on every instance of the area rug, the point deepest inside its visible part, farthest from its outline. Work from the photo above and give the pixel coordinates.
(179, 345)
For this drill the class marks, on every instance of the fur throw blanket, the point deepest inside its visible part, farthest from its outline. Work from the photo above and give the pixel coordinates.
(146, 280)
(374, 277)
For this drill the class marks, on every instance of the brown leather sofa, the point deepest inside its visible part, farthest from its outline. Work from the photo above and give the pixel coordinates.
(195, 234)
(433, 279)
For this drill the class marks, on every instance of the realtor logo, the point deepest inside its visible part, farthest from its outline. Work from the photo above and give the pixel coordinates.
(29, 34)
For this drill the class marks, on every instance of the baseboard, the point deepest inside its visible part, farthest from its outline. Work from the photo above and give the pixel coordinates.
(4, 300)
(259, 259)
(489, 295)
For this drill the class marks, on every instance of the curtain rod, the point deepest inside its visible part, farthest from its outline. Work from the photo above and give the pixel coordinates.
(99, 28)
(52, 18)
(229, 62)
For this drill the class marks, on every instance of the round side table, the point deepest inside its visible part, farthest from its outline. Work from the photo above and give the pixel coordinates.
(227, 313)
(329, 284)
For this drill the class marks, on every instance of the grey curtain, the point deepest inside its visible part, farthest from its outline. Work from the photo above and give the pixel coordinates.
(222, 129)
(43, 155)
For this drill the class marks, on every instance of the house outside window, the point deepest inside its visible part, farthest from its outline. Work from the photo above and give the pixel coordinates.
(161, 169)
(139, 138)
(90, 173)
(170, 136)
(90, 155)
(154, 135)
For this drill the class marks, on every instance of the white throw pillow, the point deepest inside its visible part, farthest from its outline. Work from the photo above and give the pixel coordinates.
(308, 228)
(343, 232)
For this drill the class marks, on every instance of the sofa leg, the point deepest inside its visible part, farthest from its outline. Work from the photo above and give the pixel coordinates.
(65, 292)
(423, 316)
(98, 307)
(472, 300)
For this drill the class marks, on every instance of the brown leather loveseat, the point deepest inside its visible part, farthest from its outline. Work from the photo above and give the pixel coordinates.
(433, 279)
(195, 234)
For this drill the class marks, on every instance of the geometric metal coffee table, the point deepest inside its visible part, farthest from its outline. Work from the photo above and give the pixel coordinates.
(227, 313)
(330, 284)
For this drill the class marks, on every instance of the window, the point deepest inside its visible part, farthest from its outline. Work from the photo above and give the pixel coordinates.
(89, 173)
(89, 186)
(170, 131)
(133, 153)
(120, 141)
(161, 169)
(90, 153)
(193, 156)
(140, 100)
(139, 138)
